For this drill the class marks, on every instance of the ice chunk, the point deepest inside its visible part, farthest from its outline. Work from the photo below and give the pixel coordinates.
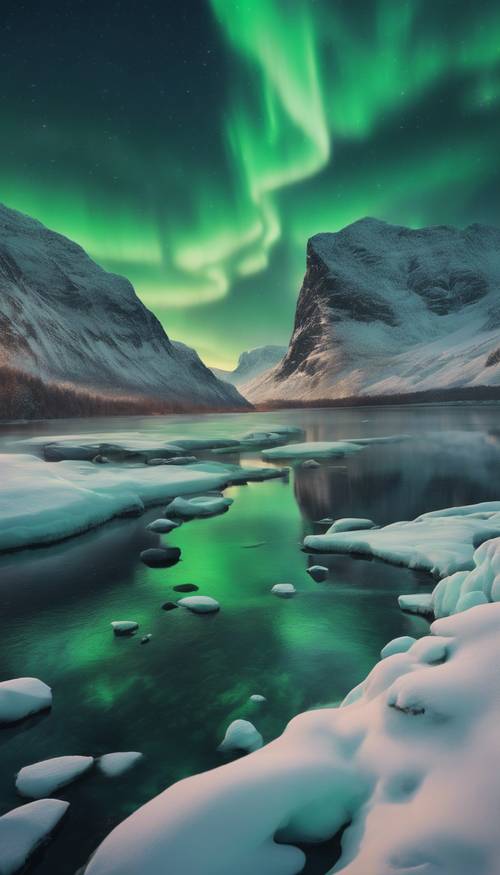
(241, 735)
(21, 697)
(201, 506)
(256, 697)
(44, 778)
(397, 645)
(162, 526)
(312, 450)
(200, 604)
(23, 829)
(350, 524)
(115, 764)
(124, 627)
(285, 590)
(417, 603)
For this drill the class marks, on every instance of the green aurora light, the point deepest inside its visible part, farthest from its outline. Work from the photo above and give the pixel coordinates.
(196, 150)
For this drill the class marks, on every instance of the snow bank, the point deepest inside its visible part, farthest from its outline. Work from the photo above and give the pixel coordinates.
(44, 778)
(463, 590)
(383, 753)
(41, 503)
(24, 829)
(415, 751)
(397, 645)
(441, 542)
(115, 764)
(21, 697)
(241, 735)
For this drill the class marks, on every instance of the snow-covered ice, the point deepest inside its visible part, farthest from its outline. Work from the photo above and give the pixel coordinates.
(201, 506)
(312, 450)
(41, 502)
(408, 769)
(350, 524)
(257, 697)
(397, 645)
(441, 542)
(21, 697)
(285, 590)
(44, 778)
(124, 627)
(199, 604)
(115, 764)
(417, 603)
(318, 572)
(241, 735)
(23, 829)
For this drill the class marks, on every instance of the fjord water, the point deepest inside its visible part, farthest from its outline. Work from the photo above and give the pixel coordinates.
(173, 697)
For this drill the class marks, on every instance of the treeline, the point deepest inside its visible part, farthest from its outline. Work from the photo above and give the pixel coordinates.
(24, 396)
(462, 393)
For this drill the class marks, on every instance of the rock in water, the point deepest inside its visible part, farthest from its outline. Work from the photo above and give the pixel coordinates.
(256, 697)
(199, 604)
(21, 697)
(378, 300)
(201, 506)
(160, 557)
(115, 764)
(318, 572)
(241, 735)
(169, 606)
(285, 590)
(44, 778)
(186, 587)
(124, 627)
(24, 829)
(162, 526)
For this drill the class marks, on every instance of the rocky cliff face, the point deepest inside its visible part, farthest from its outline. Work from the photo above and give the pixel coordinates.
(65, 319)
(252, 363)
(385, 309)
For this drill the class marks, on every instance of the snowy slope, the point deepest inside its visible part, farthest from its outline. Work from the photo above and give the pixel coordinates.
(251, 364)
(385, 309)
(64, 318)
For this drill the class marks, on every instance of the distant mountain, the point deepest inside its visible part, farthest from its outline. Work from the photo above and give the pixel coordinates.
(65, 320)
(251, 364)
(387, 310)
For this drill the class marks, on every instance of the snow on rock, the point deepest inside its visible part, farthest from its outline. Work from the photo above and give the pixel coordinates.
(386, 309)
(463, 590)
(21, 697)
(241, 735)
(201, 506)
(350, 524)
(417, 603)
(256, 697)
(162, 526)
(318, 572)
(312, 450)
(397, 645)
(23, 829)
(115, 764)
(415, 749)
(441, 542)
(41, 503)
(124, 627)
(199, 604)
(44, 778)
(251, 363)
(285, 590)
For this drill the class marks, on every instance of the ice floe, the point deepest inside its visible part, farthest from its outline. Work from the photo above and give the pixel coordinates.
(44, 778)
(199, 604)
(312, 450)
(350, 524)
(23, 829)
(241, 735)
(200, 506)
(115, 764)
(441, 542)
(21, 697)
(407, 770)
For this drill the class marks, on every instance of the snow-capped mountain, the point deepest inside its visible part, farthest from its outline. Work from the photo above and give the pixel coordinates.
(385, 309)
(65, 319)
(252, 363)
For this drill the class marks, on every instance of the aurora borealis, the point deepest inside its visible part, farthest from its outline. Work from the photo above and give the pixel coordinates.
(194, 147)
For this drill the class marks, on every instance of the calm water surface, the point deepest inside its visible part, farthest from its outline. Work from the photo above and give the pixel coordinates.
(173, 698)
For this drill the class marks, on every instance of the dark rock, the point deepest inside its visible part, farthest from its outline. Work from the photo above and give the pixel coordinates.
(186, 587)
(169, 606)
(160, 557)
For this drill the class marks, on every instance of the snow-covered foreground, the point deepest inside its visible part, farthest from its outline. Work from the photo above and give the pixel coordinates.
(23, 829)
(41, 503)
(406, 766)
(442, 542)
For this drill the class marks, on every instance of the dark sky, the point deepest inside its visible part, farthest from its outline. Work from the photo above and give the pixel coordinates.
(194, 147)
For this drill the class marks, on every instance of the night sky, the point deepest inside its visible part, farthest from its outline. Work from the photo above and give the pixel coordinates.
(195, 146)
